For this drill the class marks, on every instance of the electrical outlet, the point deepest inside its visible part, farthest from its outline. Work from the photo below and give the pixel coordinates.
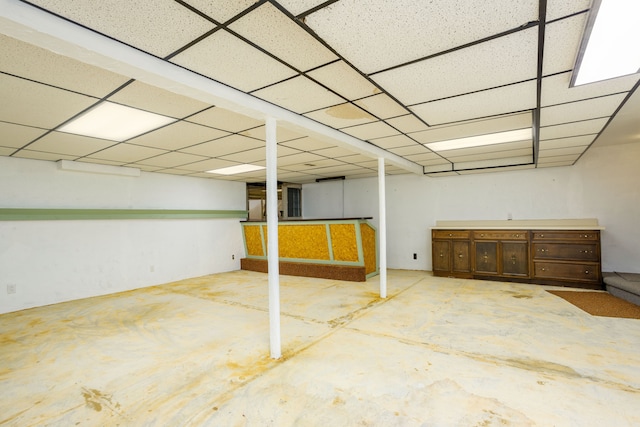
(11, 289)
(233, 257)
(415, 256)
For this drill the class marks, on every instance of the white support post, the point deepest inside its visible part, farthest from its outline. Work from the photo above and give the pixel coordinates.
(272, 235)
(382, 227)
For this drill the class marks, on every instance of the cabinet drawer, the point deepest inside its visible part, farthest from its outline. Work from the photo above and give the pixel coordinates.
(569, 251)
(589, 235)
(450, 234)
(500, 235)
(582, 272)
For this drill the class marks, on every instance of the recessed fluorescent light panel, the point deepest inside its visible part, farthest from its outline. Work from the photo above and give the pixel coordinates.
(115, 122)
(481, 140)
(232, 170)
(609, 46)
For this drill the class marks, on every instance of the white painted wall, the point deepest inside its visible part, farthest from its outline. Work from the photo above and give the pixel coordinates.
(604, 184)
(323, 200)
(54, 261)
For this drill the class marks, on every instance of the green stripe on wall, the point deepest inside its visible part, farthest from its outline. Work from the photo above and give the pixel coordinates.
(13, 214)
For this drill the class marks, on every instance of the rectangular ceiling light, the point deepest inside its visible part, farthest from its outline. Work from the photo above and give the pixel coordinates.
(232, 170)
(115, 122)
(609, 45)
(480, 140)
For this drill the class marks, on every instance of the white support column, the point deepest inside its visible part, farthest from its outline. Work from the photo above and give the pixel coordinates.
(382, 227)
(272, 235)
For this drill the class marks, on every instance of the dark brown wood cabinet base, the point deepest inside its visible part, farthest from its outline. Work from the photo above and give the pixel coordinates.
(548, 257)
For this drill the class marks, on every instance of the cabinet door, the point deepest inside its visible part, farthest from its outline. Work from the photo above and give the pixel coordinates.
(515, 259)
(460, 256)
(441, 251)
(486, 254)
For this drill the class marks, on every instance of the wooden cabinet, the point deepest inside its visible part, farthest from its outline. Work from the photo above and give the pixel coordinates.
(451, 253)
(567, 256)
(551, 257)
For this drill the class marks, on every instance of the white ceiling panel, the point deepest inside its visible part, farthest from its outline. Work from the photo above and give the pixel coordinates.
(6, 151)
(299, 159)
(494, 170)
(415, 148)
(274, 32)
(570, 158)
(296, 7)
(344, 80)
(223, 146)
(160, 27)
(574, 141)
(206, 165)
(159, 101)
(127, 153)
(382, 106)
(555, 152)
(426, 159)
(439, 167)
(559, 8)
(225, 120)
(66, 143)
(257, 156)
(501, 61)
(487, 150)
(178, 135)
(23, 59)
(220, 10)
(287, 95)
(474, 127)
(492, 163)
(26, 103)
(506, 99)
(561, 44)
(371, 130)
(407, 124)
(334, 152)
(39, 155)
(227, 59)
(17, 136)
(307, 144)
(580, 110)
(393, 141)
(587, 127)
(355, 159)
(342, 115)
(522, 152)
(282, 134)
(171, 160)
(556, 164)
(388, 33)
(556, 90)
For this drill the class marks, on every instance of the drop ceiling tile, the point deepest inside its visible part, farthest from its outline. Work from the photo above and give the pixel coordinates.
(561, 43)
(393, 141)
(224, 119)
(369, 37)
(506, 99)
(382, 106)
(288, 95)
(296, 7)
(407, 124)
(220, 10)
(282, 134)
(105, 162)
(559, 8)
(146, 168)
(489, 156)
(41, 65)
(425, 159)
(224, 146)
(17, 136)
(227, 59)
(371, 130)
(159, 101)
(496, 170)
(570, 158)
(274, 32)
(299, 159)
(342, 115)
(489, 150)
(414, 148)
(6, 151)
(69, 144)
(172, 171)
(127, 153)
(170, 160)
(33, 104)
(556, 90)
(327, 163)
(439, 167)
(297, 177)
(604, 106)
(257, 156)
(178, 135)
(39, 155)
(492, 163)
(556, 164)
(574, 141)
(332, 170)
(207, 165)
(355, 158)
(307, 144)
(587, 127)
(555, 152)
(494, 63)
(159, 27)
(474, 127)
(344, 80)
(334, 152)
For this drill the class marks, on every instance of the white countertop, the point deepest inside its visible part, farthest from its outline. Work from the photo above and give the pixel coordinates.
(521, 224)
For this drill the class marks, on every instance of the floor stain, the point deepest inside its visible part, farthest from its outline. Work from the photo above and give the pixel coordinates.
(96, 400)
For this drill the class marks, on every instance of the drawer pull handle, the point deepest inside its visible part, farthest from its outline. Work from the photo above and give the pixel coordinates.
(543, 269)
(482, 235)
(513, 259)
(460, 255)
(586, 272)
(441, 255)
(450, 234)
(542, 235)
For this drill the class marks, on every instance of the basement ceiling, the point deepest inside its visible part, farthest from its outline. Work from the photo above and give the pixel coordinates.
(394, 76)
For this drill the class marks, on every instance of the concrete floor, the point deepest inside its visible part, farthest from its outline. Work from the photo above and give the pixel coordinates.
(437, 352)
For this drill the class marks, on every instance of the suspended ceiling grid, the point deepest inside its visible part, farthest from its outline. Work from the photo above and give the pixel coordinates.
(399, 75)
